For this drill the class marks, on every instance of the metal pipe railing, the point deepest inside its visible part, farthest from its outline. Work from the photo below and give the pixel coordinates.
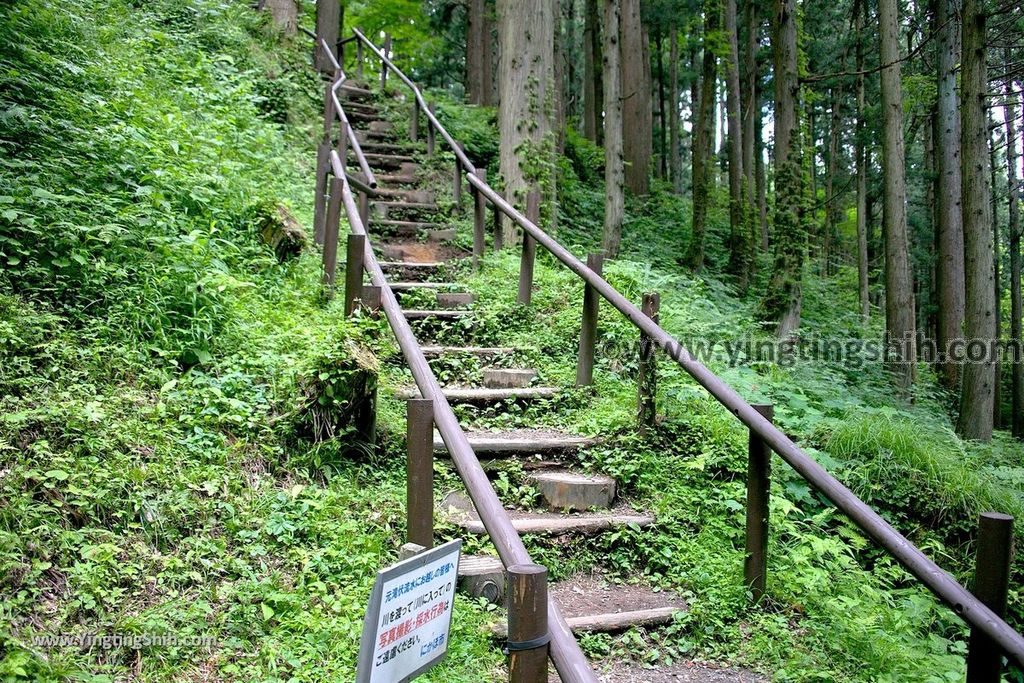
(569, 660)
(972, 610)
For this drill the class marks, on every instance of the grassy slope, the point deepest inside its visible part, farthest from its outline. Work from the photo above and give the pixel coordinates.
(139, 147)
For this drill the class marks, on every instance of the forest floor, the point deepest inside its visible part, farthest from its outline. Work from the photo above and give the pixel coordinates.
(156, 470)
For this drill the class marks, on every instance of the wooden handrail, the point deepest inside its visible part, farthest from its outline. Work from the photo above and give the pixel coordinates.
(569, 660)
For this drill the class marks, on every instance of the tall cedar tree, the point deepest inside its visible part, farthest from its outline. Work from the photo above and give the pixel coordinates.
(1013, 180)
(614, 205)
(899, 285)
(739, 231)
(703, 135)
(976, 409)
(782, 301)
(637, 112)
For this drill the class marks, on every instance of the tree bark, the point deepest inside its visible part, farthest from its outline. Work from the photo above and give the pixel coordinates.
(490, 55)
(899, 287)
(637, 114)
(948, 217)
(832, 201)
(662, 108)
(1012, 179)
(675, 158)
(739, 231)
(328, 24)
(783, 298)
(703, 137)
(526, 108)
(591, 77)
(475, 51)
(978, 377)
(614, 180)
(997, 400)
(862, 173)
(759, 169)
(748, 102)
(285, 14)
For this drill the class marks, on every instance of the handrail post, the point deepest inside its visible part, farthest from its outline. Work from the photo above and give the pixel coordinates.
(479, 216)
(759, 469)
(588, 328)
(527, 593)
(414, 123)
(991, 583)
(359, 58)
(383, 64)
(329, 104)
(647, 381)
(364, 210)
(323, 161)
(342, 147)
(354, 271)
(529, 254)
(420, 471)
(330, 253)
(430, 132)
(499, 235)
(457, 186)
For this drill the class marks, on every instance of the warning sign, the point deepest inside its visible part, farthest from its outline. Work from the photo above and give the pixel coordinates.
(406, 627)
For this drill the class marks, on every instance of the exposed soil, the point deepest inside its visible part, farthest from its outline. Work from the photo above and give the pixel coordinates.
(600, 594)
(680, 672)
(420, 252)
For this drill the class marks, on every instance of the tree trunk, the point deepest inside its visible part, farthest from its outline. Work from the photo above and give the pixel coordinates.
(748, 101)
(675, 159)
(949, 222)
(475, 51)
(739, 231)
(831, 201)
(783, 298)
(703, 137)
(637, 114)
(526, 103)
(1017, 369)
(978, 377)
(614, 180)
(759, 169)
(490, 89)
(997, 292)
(862, 173)
(570, 103)
(899, 285)
(662, 108)
(559, 92)
(285, 14)
(328, 24)
(591, 75)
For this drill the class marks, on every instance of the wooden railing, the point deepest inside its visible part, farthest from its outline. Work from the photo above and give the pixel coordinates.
(991, 636)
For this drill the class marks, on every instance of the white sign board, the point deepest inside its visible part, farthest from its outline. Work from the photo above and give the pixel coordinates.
(406, 627)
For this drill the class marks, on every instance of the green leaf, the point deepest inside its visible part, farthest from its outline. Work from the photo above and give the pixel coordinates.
(268, 611)
(59, 475)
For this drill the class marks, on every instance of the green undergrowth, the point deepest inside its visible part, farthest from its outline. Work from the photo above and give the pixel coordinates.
(838, 608)
(164, 380)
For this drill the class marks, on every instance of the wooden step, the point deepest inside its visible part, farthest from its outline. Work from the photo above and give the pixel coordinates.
(485, 351)
(421, 314)
(406, 195)
(356, 92)
(405, 286)
(574, 491)
(388, 161)
(475, 395)
(400, 148)
(524, 442)
(362, 107)
(482, 576)
(610, 622)
(410, 270)
(504, 378)
(395, 179)
(368, 115)
(385, 207)
(550, 524)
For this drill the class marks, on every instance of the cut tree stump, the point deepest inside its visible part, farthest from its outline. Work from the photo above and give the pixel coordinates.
(281, 232)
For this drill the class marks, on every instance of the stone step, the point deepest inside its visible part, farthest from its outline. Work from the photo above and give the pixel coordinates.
(482, 576)
(367, 115)
(454, 299)
(478, 396)
(361, 107)
(521, 442)
(388, 161)
(484, 351)
(574, 491)
(405, 286)
(505, 378)
(422, 314)
(392, 147)
(395, 179)
(610, 622)
(355, 92)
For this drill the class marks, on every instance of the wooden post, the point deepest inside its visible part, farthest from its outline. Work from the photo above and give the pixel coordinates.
(499, 235)
(354, 271)
(330, 254)
(527, 593)
(323, 162)
(364, 210)
(991, 583)
(430, 132)
(328, 23)
(383, 66)
(414, 123)
(371, 298)
(759, 470)
(420, 471)
(457, 186)
(588, 328)
(479, 216)
(647, 383)
(342, 147)
(529, 249)
(329, 107)
(359, 58)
